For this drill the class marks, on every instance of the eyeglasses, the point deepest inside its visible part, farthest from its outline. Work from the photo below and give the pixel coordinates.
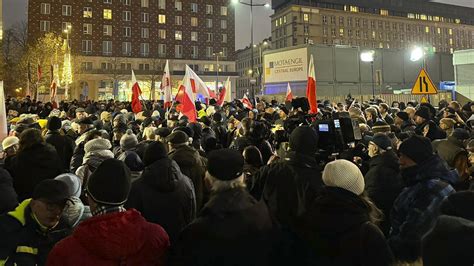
(50, 206)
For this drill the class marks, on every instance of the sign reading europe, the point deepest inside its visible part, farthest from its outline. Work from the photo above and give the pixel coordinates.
(423, 84)
(286, 66)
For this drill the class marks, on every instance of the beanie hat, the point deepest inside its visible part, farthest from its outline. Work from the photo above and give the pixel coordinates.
(10, 141)
(304, 140)
(461, 134)
(110, 183)
(417, 148)
(129, 140)
(106, 116)
(382, 141)
(459, 204)
(154, 152)
(52, 191)
(403, 115)
(73, 183)
(225, 164)
(424, 113)
(163, 132)
(177, 138)
(54, 123)
(344, 174)
(380, 126)
(99, 144)
(55, 112)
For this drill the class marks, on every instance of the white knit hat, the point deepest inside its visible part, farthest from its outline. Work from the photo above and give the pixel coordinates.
(345, 175)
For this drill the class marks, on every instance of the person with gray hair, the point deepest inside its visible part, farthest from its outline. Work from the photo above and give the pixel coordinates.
(233, 228)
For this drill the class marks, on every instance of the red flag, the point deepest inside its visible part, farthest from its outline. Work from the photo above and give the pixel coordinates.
(247, 102)
(166, 86)
(222, 94)
(289, 94)
(186, 96)
(198, 85)
(311, 88)
(136, 92)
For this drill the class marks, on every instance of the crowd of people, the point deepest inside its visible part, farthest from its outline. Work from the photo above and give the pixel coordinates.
(92, 183)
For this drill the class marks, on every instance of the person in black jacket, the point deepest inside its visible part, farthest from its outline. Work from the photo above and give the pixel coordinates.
(163, 194)
(8, 197)
(340, 226)
(35, 161)
(383, 182)
(233, 229)
(64, 145)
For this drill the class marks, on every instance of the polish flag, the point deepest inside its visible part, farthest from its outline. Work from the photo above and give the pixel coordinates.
(166, 86)
(289, 95)
(198, 86)
(311, 88)
(186, 96)
(222, 95)
(247, 102)
(136, 92)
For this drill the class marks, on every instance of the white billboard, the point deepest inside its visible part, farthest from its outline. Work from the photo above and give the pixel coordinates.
(286, 66)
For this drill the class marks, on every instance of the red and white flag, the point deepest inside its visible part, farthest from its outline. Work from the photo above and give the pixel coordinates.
(289, 94)
(166, 86)
(198, 86)
(136, 92)
(54, 84)
(186, 96)
(246, 102)
(311, 88)
(222, 94)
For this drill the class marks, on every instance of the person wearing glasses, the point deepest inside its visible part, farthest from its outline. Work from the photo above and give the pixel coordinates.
(30, 231)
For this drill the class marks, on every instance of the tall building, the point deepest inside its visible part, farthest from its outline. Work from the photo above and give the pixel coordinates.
(246, 76)
(387, 24)
(109, 38)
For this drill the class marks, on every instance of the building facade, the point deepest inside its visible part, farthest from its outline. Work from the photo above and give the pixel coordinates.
(109, 38)
(386, 24)
(246, 76)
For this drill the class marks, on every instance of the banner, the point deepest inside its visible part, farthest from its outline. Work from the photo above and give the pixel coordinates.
(286, 66)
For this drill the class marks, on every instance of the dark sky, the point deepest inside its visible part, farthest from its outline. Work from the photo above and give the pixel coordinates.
(15, 11)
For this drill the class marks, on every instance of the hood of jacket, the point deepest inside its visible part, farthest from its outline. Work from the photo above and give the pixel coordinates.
(229, 201)
(162, 175)
(113, 236)
(75, 212)
(338, 211)
(386, 160)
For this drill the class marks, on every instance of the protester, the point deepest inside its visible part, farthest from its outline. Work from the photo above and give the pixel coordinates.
(31, 230)
(10, 147)
(233, 228)
(253, 163)
(64, 145)
(163, 195)
(113, 235)
(8, 196)
(129, 155)
(75, 211)
(96, 150)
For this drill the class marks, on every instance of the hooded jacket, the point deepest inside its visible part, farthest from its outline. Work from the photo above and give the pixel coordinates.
(383, 184)
(64, 146)
(415, 209)
(163, 195)
(339, 231)
(120, 238)
(232, 229)
(33, 165)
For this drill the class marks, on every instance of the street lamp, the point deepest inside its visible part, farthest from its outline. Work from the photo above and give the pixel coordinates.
(217, 70)
(251, 5)
(418, 53)
(369, 57)
(67, 71)
(262, 47)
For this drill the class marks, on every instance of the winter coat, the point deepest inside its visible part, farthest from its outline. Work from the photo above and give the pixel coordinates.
(23, 241)
(383, 184)
(163, 195)
(133, 162)
(289, 187)
(91, 161)
(77, 157)
(120, 238)
(408, 126)
(232, 229)
(75, 212)
(33, 165)
(263, 146)
(193, 166)
(452, 151)
(8, 197)
(339, 231)
(415, 209)
(64, 146)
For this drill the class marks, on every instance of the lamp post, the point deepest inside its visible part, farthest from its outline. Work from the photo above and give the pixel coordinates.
(67, 72)
(369, 57)
(251, 5)
(260, 71)
(217, 69)
(418, 53)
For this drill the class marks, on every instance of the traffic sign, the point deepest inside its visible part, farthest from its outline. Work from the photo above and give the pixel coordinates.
(423, 84)
(424, 100)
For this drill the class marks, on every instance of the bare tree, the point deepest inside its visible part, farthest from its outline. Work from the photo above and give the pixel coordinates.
(117, 70)
(156, 70)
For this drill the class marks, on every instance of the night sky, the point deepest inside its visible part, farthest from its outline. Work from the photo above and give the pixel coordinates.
(15, 11)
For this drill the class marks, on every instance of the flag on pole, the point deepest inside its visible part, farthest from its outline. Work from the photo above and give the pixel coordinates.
(311, 88)
(166, 86)
(222, 94)
(136, 92)
(198, 86)
(54, 84)
(3, 114)
(186, 95)
(289, 94)
(246, 102)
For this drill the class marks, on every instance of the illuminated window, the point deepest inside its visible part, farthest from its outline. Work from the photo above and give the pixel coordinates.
(439, 30)
(450, 31)
(87, 13)
(427, 29)
(457, 21)
(306, 17)
(435, 18)
(451, 50)
(194, 21)
(284, 19)
(276, 22)
(383, 12)
(341, 32)
(107, 13)
(423, 17)
(161, 19)
(411, 15)
(178, 35)
(451, 41)
(354, 9)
